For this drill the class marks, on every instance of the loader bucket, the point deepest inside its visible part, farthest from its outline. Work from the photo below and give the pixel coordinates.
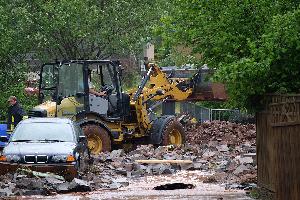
(208, 92)
(205, 90)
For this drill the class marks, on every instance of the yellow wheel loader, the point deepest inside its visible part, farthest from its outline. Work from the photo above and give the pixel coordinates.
(118, 117)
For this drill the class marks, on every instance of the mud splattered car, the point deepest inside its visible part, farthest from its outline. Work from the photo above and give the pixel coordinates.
(45, 145)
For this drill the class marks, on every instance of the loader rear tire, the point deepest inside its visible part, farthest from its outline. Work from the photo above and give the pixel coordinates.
(98, 138)
(173, 133)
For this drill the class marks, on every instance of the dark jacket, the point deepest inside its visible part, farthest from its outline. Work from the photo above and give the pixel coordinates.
(17, 112)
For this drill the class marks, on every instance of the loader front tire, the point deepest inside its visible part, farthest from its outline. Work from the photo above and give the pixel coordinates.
(173, 133)
(98, 138)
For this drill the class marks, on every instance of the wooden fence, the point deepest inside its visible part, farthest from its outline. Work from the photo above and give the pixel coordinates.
(278, 146)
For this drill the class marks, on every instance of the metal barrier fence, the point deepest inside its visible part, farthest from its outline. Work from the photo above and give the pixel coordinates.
(224, 114)
(207, 114)
(198, 112)
(202, 114)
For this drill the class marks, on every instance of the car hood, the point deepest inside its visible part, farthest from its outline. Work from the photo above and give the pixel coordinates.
(39, 148)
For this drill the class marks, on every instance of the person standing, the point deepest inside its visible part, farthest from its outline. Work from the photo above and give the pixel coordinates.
(15, 113)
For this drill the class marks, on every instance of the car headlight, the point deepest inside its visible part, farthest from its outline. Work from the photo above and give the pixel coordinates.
(13, 158)
(59, 158)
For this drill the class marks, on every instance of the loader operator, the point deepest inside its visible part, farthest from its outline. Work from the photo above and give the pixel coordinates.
(15, 113)
(93, 91)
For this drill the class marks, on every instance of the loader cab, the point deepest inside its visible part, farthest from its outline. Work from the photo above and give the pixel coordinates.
(48, 82)
(74, 80)
(103, 76)
(64, 90)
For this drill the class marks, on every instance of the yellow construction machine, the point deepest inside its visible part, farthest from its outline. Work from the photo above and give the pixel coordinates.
(118, 117)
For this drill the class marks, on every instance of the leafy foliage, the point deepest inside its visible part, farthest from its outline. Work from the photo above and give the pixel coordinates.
(68, 29)
(13, 33)
(90, 29)
(273, 65)
(253, 44)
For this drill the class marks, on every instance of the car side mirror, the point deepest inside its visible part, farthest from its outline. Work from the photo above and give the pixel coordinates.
(3, 139)
(82, 138)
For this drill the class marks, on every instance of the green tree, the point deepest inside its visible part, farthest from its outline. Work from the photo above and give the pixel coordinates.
(89, 29)
(253, 44)
(68, 29)
(13, 33)
(271, 67)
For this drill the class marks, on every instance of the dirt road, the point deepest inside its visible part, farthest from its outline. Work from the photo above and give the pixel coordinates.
(142, 189)
(221, 159)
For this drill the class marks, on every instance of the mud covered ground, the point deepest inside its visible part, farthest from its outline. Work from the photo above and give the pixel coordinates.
(223, 156)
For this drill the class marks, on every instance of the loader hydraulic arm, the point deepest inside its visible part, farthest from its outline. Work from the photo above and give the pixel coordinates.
(142, 85)
(161, 87)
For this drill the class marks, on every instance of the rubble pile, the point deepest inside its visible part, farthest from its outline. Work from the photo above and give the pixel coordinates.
(25, 183)
(229, 154)
(223, 131)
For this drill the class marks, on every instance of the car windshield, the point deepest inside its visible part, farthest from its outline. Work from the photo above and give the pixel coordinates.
(43, 131)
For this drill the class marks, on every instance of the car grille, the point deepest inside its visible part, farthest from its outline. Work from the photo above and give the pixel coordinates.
(33, 113)
(35, 159)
